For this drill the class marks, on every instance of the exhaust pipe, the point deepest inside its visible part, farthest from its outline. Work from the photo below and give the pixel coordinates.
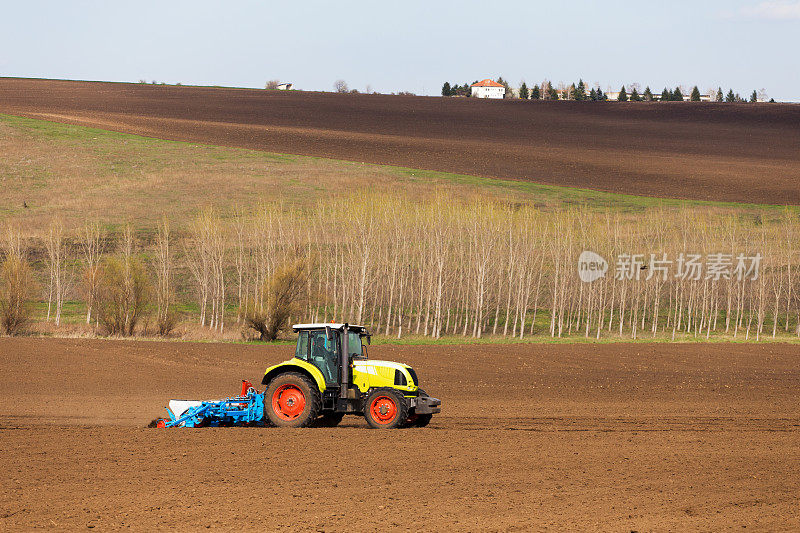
(345, 363)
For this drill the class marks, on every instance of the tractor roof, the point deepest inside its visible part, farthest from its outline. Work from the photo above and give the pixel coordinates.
(322, 325)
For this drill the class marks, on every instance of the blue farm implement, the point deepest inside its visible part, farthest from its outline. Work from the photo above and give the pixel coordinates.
(244, 410)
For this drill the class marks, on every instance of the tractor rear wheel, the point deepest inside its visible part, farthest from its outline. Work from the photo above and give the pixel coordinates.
(385, 409)
(329, 420)
(291, 401)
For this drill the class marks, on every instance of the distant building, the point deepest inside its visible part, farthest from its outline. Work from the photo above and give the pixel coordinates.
(284, 86)
(614, 96)
(688, 97)
(703, 97)
(488, 89)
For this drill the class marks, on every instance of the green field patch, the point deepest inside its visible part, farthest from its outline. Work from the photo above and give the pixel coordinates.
(75, 172)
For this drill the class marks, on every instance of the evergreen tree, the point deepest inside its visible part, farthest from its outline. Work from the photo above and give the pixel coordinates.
(601, 96)
(720, 97)
(666, 95)
(677, 95)
(523, 91)
(731, 97)
(648, 95)
(572, 92)
(593, 95)
(754, 97)
(695, 94)
(535, 95)
(580, 91)
(635, 96)
(446, 89)
(623, 96)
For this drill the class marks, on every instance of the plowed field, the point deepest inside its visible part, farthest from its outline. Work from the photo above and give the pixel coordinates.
(571, 437)
(743, 153)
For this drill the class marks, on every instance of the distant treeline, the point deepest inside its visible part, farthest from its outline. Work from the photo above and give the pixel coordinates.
(582, 92)
(403, 266)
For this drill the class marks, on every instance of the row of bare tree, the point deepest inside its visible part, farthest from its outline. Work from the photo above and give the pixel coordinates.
(451, 267)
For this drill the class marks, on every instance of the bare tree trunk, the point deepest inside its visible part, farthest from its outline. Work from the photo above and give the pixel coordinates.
(57, 259)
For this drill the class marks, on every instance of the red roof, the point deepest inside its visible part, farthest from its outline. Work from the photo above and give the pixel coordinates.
(486, 83)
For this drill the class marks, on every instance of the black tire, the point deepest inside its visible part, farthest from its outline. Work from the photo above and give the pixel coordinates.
(395, 405)
(281, 410)
(417, 421)
(422, 420)
(410, 420)
(329, 420)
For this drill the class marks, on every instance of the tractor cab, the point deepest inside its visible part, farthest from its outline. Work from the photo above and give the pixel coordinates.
(322, 346)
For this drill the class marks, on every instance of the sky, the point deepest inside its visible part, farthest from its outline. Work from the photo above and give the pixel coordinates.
(409, 45)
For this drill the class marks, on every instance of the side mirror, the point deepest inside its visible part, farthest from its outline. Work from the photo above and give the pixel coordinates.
(329, 333)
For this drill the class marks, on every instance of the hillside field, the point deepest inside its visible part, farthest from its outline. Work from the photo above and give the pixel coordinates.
(76, 173)
(699, 151)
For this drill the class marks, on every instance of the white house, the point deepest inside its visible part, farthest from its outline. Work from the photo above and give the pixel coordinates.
(488, 89)
(284, 86)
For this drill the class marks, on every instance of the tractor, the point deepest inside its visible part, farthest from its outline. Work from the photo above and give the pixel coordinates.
(330, 376)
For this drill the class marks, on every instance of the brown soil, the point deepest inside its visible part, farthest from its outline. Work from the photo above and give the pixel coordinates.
(578, 437)
(744, 153)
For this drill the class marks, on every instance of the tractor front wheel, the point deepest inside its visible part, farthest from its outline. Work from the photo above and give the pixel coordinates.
(291, 400)
(386, 409)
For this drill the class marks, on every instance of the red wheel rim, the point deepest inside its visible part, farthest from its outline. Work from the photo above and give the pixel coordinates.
(383, 409)
(288, 402)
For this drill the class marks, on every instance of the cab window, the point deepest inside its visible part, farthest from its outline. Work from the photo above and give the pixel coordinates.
(302, 346)
(354, 344)
(323, 354)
